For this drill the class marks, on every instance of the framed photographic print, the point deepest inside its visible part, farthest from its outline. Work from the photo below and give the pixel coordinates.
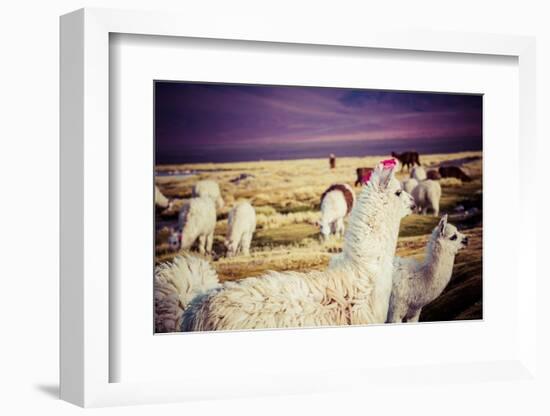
(277, 210)
(247, 177)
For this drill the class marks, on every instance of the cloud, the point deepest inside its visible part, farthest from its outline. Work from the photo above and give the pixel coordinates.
(360, 98)
(188, 114)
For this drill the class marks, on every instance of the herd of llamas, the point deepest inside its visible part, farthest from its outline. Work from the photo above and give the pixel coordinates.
(365, 282)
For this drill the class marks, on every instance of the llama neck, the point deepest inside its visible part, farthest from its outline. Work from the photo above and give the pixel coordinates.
(188, 235)
(371, 236)
(437, 268)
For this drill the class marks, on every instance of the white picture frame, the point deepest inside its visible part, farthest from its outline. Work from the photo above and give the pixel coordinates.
(85, 211)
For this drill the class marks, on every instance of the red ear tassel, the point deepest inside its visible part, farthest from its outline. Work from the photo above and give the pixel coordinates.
(389, 164)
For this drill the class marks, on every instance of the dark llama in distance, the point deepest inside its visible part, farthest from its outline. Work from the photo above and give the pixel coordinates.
(454, 172)
(407, 159)
(433, 174)
(332, 160)
(363, 175)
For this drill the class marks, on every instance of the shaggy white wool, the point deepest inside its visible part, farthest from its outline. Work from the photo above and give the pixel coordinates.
(409, 185)
(419, 173)
(278, 300)
(427, 195)
(415, 284)
(209, 189)
(197, 221)
(160, 200)
(176, 284)
(334, 209)
(355, 292)
(241, 224)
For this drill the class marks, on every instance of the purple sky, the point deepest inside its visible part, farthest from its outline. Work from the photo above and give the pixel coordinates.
(197, 122)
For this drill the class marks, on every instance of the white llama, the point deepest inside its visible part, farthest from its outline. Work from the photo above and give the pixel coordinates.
(160, 200)
(336, 203)
(427, 195)
(175, 285)
(415, 284)
(409, 184)
(356, 292)
(241, 224)
(419, 173)
(209, 189)
(197, 220)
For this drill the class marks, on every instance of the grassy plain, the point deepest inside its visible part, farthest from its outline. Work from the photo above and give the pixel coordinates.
(286, 196)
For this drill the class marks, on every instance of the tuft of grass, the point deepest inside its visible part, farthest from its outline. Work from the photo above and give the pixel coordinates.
(472, 312)
(451, 196)
(295, 207)
(285, 235)
(266, 222)
(415, 225)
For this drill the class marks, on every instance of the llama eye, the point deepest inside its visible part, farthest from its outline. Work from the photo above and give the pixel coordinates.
(454, 237)
(397, 193)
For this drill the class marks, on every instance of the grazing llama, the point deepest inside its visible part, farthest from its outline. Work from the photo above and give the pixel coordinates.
(356, 292)
(197, 220)
(427, 195)
(160, 200)
(336, 203)
(454, 172)
(419, 173)
(175, 285)
(415, 284)
(409, 185)
(241, 224)
(433, 174)
(407, 159)
(209, 189)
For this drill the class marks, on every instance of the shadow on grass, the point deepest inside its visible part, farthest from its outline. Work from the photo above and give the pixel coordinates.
(462, 299)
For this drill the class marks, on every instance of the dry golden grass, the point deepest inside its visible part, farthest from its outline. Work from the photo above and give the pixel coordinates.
(286, 196)
(285, 185)
(269, 222)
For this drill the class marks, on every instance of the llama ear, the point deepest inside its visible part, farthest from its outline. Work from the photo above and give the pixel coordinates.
(384, 174)
(388, 177)
(442, 224)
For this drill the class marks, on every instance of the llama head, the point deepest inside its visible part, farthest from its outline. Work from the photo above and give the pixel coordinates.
(174, 240)
(171, 205)
(448, 236)
(388, 189)
(230, 247)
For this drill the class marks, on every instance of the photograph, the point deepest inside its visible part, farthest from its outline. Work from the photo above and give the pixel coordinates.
(305, 206)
